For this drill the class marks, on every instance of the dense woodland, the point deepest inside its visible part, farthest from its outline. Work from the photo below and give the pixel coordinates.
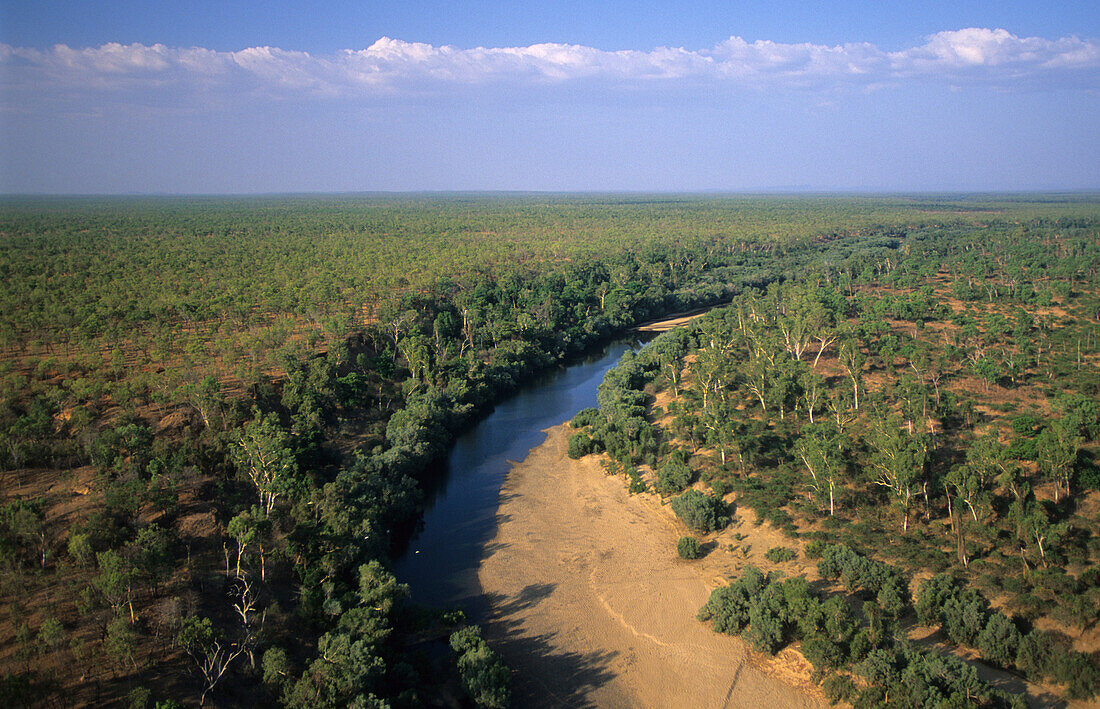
(921, 412)
(216, 415)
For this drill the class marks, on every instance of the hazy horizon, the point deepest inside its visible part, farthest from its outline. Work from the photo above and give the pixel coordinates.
(226, 98)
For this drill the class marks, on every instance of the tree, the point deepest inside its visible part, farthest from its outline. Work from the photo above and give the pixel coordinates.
(484, 676)
(265, 455)
(116, 580)
(999, 641)
(813, 391)
(820, 449)
(208, 651)
(852, 359)
(247, 528)
(674, 476)
(149, 553)
(1033, 525)
(898, 461)
(24, 522)
(989, 370)
(1057, 448)
(120, 642)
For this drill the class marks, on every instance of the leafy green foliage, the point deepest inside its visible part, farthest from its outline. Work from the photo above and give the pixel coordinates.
(778, 555)
(700, 512)
(689, 548)
(673, 477)
(484, 677)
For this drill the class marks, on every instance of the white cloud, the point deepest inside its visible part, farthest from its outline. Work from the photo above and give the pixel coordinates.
(987, 56)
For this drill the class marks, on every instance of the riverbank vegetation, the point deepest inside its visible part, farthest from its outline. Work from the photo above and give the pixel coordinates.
(216, 414)
(927, 398)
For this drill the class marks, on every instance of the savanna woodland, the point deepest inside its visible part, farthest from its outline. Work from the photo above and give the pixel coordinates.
(216, 416)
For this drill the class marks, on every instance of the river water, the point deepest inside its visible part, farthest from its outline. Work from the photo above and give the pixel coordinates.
(441, 561)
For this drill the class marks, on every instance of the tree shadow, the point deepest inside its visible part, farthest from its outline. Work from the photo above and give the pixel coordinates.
(546, 674)
(491, 548)
(706, 548)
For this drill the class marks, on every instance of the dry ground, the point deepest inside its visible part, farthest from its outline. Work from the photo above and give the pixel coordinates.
(592, 606)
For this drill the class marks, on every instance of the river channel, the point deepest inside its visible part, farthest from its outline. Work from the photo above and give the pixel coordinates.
(441, 561)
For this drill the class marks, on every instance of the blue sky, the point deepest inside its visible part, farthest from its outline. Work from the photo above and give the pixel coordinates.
(224, 97)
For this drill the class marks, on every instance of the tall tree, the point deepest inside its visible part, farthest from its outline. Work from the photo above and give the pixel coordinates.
(265, 455)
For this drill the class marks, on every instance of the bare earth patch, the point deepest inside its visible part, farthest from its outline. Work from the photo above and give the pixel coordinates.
(592, 606)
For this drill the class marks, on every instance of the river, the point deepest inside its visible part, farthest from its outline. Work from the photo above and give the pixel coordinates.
(441, 561)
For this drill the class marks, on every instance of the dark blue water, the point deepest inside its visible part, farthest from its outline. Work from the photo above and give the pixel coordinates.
(440, 564)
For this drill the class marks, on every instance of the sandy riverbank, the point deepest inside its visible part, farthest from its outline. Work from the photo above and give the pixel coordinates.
(674, 322)
(592, 606)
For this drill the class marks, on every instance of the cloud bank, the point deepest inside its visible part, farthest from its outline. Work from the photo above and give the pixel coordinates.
(992, 57)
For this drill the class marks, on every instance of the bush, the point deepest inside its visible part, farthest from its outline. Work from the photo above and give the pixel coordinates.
(689, 548)
(586, 417)
(778, 555)
(932, 595)
(1036, 656)
(814, 549)
(701, 513)
(580, 445)
(728, 606)
(637, 484)
(861, 574)
(822, 652)
(765, 631)
(999, 641)
(673, 477)
(839, 688)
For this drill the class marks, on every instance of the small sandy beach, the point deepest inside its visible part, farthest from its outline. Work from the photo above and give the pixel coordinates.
(592, 606)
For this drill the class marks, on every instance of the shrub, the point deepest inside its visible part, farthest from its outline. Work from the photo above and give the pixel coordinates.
(1036, 656)
(814, 549)
(999, 640)
(778, 555)
(932, 595)
(586, 417)
(673, 477)
(822, 652)
(701, 513)
(580, 445)
(839, 688)
(689, 548)
(765, 631)
(964, 617)
(728, 606)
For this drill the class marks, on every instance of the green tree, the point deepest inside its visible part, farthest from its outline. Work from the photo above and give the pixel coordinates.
(821, 449)
(264, 454)
(897, 461)
(1057, 448)
(208, 650)
(484, 676)
(999, 640)
(115, 581)
(120, 643)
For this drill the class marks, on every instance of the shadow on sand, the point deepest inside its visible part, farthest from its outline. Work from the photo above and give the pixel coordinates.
(546, 675)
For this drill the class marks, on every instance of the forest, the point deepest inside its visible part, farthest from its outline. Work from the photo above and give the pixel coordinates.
(216, 415)
(921, 415)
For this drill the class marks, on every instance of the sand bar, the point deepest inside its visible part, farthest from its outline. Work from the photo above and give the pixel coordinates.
(592, 607)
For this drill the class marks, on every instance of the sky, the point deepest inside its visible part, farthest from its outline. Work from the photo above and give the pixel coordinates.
(215, 97)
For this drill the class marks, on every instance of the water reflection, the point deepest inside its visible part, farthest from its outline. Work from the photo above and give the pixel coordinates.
(440, 563)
